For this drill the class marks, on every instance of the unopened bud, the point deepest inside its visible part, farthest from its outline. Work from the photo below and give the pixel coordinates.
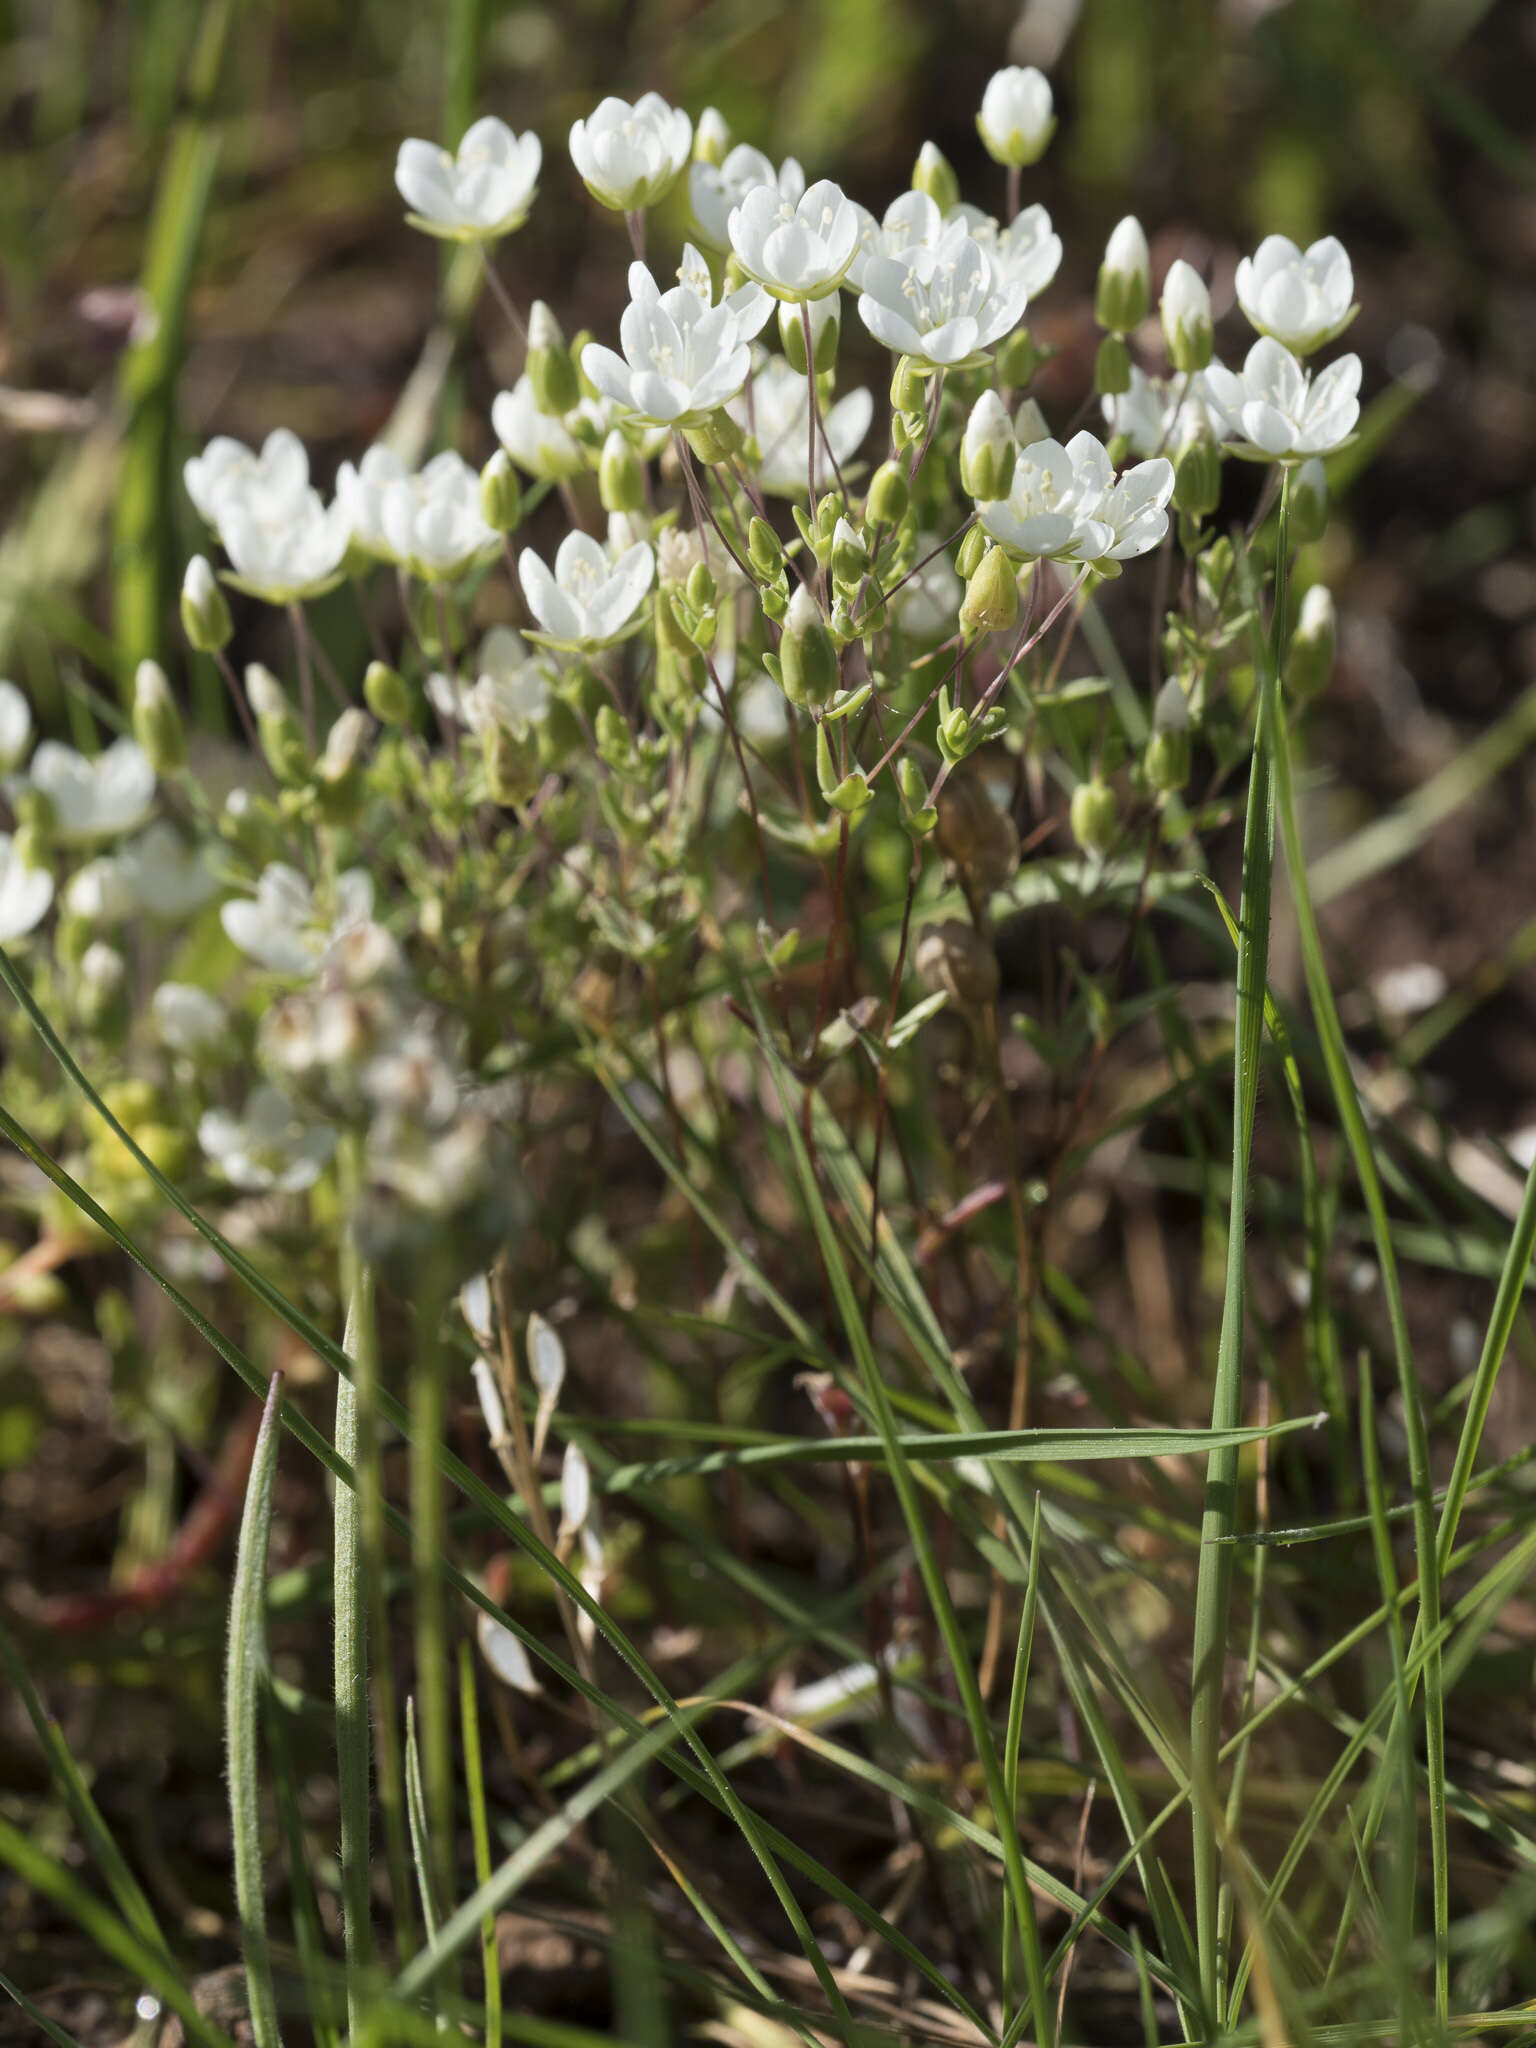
(282, 743)
(711, 137)
(889, 496)
(1308, 502)
(550, 369)
(204, 609)
(1095, 817)
(511, 765)
(1309, 658)
(1018, 359)
(716, 440)
(972, 548)
(991, 603)
(620, 477)
(1186, 317)
(808, 660)
(934, 174)
(988, 450)
(157, 723)
(1125, 279)
(1197, 476)
(1016, 119)
(921, 816)
(1029, 424)
(501, 495)
(909, 387)
(765, 550)
(386, 695)
(849, 556)
(1112, 367)
(1167, 759)
(824, 333)
(701, 587)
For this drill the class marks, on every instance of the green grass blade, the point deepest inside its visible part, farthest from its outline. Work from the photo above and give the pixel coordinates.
(480, 1832)
(245, 1671)
(350, 1684)
(416, 1814)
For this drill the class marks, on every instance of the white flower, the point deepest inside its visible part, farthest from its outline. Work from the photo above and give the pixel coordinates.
(510, 689)
(536, 441)
(1280, 412)
(278, 927)
(715, 191)
(1024, 255)
(99, 892)
(270, 1147)
(25, 893)
(911, 221)
(482, 192)
(1300, 299)
(684, 356)
(591, 598)
(282, 555)
(1158, 415)
(94, 799)
(775, 412)
(941, 305)
(268, 483)
(798, 248)
(360, 491)
(928, 603)
(167, 877)
(1066, 504)
(15, 727)
(629, 155)
(432, 523)
(1016, 118)
(1185, 310)
(188, 1019)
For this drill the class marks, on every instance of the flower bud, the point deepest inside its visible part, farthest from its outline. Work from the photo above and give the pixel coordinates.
(385, 694)
(1197, 476)
(620, 477)
(953, 957)
(981, 841)
(972, 548)
(889, 496)
(550, 369)
(987, 450)
(1016, 119)
(716, 440)
(934, 174)
(808, 663)
(282, 743)
(702, 589)
(343, 744)
(765, 550)
(909, 387)
(1167, 759)
(991, 603)
(1112, 367)
(511, 765)
(1186, 317)
(1309, 658)
(1095, 817)
(501, 495)
(1125, 279)
(920, 815)
(204, 609)
(1029, 425)
(157, 723)
(1308, 502)
(849, 557)
(103, 988)
(824, 333)
(581, 340)
(1018, 359)
(711, 137)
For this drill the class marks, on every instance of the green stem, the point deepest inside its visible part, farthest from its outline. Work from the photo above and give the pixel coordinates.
(351, 1661)
(428, 1532)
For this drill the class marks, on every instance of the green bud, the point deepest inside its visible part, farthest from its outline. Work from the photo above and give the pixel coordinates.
(701, 587)
(511, 765)
(550, 369)
(717, 440)
(991, 602)
(851, 794)
(765, 550)
(1018, 359)
(620, 476)
(1125, 280)
(338, 772)
(988, 450)
(1095, 817)
(157, 723)
(1167, 759)
(889, 495)
(1197, 477)
(501, 495)
(1112, 367)
(386, 695)
(849, 555)
(1186, 315)
(580, 341)
(204, 609)
(711, 138)
(1309, 658)
(808, 663)
(1308, 502)
(972, 548)
(920, 816)
(909, 388)
(934, 174)
(824, 333)
(282, 743)
(1029, 424)
(774, 599)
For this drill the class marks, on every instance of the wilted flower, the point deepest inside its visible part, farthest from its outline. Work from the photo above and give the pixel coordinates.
(15, 727)
(1281, 412)
(592, 598)
(25, 893)
(268, 484)
(1301, 299)
(282, 554)
(278, 927)
(629, 155)
(483, 191)
(1066, 504)
(684, 356)
(432, 523)
(797, 248)
(776, 413)
(270, 1147)
(715, 191)
(941, 305)
(1016, 119)
(93, 798)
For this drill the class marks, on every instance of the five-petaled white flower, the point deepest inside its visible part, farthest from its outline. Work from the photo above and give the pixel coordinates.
(15, 727)
(268, 484)
(167, 877)
(776, 414)
(627, 155)
(282, 554)
(482, 192)
(1280, 413)
(509, 689)
(716, 190)
(942, 305)
(539, 442)
(1300, 298)
(1026, 253)
(1157, 415)
(279, 927)
(94, 798)
(25, 893)
(271, 1147)
(360, 494)
(1016, 119)
(592, 598)
(797, 248)
(911, 221)
(1067, 505)
(683, 356)
(432, 523)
